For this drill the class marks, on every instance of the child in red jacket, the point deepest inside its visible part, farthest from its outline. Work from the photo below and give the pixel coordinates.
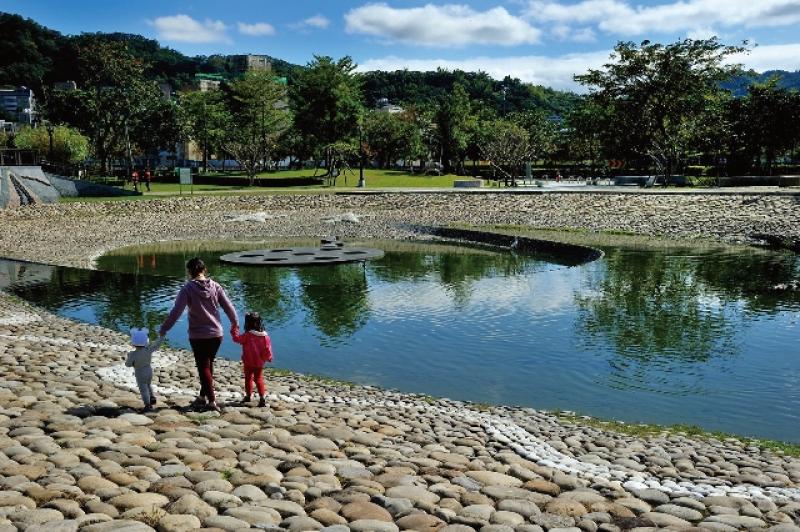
(256, 350)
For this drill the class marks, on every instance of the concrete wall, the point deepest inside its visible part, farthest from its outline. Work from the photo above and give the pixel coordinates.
(77, 188)
(45, 188)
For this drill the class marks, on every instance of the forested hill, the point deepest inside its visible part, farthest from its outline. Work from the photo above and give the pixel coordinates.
(787, 80)
(36, 56)
(408, 87)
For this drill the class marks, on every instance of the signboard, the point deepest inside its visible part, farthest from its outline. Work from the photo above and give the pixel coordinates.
(185, 175)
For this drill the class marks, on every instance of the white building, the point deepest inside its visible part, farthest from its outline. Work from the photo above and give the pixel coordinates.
(385, 106)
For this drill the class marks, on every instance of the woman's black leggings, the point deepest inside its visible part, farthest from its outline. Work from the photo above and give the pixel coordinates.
(205, 350)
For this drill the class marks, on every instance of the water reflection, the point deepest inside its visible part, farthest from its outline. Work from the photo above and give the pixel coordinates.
(335, 299)
(654, 304)
(665, 313)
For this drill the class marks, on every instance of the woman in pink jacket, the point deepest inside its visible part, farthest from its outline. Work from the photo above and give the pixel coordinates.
(256, 351)
(203, 297)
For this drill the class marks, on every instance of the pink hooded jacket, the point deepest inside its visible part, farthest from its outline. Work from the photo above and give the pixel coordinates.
(256, 347)
(203, 297)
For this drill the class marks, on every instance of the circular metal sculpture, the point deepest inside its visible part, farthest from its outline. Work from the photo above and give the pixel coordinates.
(328, 253)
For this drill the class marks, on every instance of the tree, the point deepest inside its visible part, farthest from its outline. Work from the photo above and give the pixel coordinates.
(69, 146)
(160, 126)
(207, 120)
(111, 102)
(771, 120)
(657, 94)
(451, 118)
(585, 131)
(508, 148)
(256, 104)
(542, 131)
(325, 98)
(387, 136)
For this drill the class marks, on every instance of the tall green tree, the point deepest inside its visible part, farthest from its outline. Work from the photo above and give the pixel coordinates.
(207, 120)
(161, 125)
(771, 120)
(259, 115)
(585, 132)
(326, 101)
(110, 104)
(657, 94)
(387, 136)
(452, 118)
(117, 94)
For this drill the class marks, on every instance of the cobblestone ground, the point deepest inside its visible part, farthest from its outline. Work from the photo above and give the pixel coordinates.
(73, 234)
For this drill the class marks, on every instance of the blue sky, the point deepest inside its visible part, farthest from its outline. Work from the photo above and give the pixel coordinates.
(541, 41)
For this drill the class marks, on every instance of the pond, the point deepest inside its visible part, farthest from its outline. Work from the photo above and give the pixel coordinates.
(662, 335)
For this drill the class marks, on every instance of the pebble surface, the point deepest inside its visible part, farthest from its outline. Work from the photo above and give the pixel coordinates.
(76, 453)
(39, 233)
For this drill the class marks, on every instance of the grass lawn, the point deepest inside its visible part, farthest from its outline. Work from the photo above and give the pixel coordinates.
(376, 179)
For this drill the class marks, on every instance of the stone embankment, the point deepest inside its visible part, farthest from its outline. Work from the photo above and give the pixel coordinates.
(72, 234)
(76, 455)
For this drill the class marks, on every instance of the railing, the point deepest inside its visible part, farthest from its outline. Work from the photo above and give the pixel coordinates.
(11, 157)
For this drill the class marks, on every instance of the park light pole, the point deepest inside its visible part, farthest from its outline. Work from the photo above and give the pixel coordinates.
(361, 181)
(49, 126)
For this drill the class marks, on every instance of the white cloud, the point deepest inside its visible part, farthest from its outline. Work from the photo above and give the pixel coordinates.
(441, 25)
(772, 57)
(702, 32)
(557, 72)
(622, 18)
(562, 32)
(317, 21)
(183, 28)
(257, 29)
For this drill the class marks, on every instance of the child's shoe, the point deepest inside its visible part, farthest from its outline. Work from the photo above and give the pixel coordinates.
(152, 400)
(148, 408)
(246, 399)
(262, 401)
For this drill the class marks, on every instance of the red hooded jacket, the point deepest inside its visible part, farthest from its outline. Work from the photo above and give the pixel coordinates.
(256, 347)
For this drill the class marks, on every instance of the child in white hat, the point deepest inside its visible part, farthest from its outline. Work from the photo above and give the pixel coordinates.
(140, 360)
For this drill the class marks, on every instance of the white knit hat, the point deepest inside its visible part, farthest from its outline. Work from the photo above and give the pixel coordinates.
(139, 337)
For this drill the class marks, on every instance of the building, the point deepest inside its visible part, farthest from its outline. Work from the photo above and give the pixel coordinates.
(65, 86)
(166, 90)
(251, 63)
(19, 103)
(207, 82)
(385, 106)
(7, 127)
